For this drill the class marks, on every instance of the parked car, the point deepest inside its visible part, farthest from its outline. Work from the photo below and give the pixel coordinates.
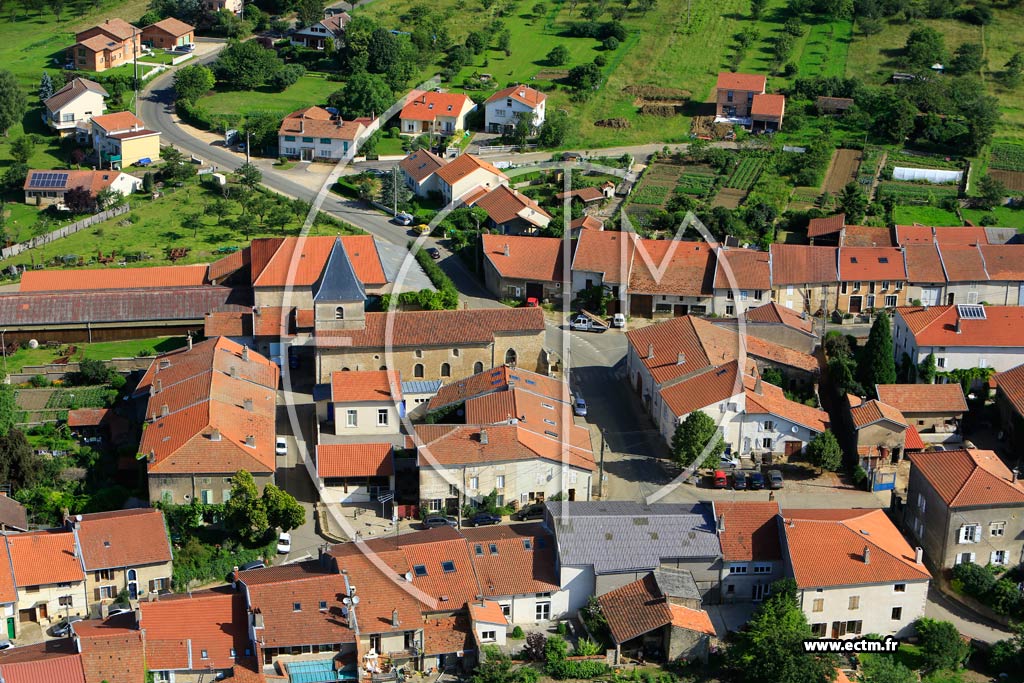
(284, 543)
(739, 480)
(484, 519)
(720, 480)
(4, 644)
(187, 47)
(63, 627)
(755, 482)
(532, 302)
(422, 229)
(403, 218)
(532, 511)
(435, 521)
(281, 446)
(587, 324)
(775, 479)
(579, 407)
(115, 611)
(434, 253)
(619, 320)
(249, 566)
(726, 461)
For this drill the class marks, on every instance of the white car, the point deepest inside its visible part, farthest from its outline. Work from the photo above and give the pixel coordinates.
(403, 218)
(618, 320)
(726, 461)
(284, 543)
(281, 446)
(118, 610)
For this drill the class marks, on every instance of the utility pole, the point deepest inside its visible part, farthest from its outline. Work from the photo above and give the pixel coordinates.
(600, 470)
(246, 146)
(394, 191)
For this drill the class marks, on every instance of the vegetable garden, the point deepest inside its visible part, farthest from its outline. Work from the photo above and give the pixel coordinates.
(909, 193)
(746, 174)
(1007, 157)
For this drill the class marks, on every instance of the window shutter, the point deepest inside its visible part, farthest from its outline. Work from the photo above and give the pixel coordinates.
(962, 535)
(972, 558)
(992, 559)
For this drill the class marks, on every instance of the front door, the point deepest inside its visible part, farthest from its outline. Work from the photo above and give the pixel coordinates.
(306, 153)
(855, 304)
(133, 586)
(10, 628)
(681, 310)
(760, 592)
(42, 611)
(572, 494)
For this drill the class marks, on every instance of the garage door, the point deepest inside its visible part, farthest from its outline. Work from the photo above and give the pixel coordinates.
(930, 296)
(534, 290)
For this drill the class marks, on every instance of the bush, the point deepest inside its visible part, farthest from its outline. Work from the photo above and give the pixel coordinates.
(974, 579)
(39, 381)
(601, 60)
(447, 296)
(561, 629)
(287, 76)
(610, 44)
(517, 633)
(860, 476)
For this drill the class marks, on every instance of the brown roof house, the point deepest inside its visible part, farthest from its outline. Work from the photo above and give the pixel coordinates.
(882, 436)
(74, 105)
(49, 188)
(168, 34)
(509, 211)
(523, 268)
(741, 98)
(933, 410)
(751, 549)
(965, 506)
(105, 46)
(314, 134)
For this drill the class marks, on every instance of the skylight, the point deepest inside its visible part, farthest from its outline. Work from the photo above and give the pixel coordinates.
(420, 569)
(971, 311)
(448, 566)
(527, 545)
(883, 259)
(479, 549)
(494, 548)
(853, 259)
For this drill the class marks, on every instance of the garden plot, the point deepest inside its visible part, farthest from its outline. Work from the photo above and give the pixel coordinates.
(914, 193)
(844, 167)
(746, 174)
(730, 198)
(1007, 165)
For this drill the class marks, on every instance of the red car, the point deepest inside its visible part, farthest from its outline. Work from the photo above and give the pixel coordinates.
(532, 302)
(721, 481)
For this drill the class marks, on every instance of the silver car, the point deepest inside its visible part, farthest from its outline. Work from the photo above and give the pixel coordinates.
(579, 407)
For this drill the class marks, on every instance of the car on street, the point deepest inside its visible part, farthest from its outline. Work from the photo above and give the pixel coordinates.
(281, 446)
(720, 481)
(422, 229)
(249, 566)
(63, 627)
(187, 47)
(4, 644)
(532, 302)
(532, 511)
(434, 253)
(775, 480)
(403, 218)
(739, 480)
(583, 323)
(618, 320)
(284, 543)
(435, 521)
(755, 482)
(579, 407)
(726, 461)
(484, 519)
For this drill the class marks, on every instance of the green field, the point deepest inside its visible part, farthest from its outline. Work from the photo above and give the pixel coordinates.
(925, 215)
(1007, 156)
(1005, 217)
(99, 351)
(825, 52)
(311, 89)
(746, 174)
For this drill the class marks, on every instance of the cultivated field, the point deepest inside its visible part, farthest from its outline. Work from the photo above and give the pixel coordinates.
(729, 197)
(843, 168)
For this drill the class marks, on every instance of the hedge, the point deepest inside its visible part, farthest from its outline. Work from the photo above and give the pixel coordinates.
(447, 295)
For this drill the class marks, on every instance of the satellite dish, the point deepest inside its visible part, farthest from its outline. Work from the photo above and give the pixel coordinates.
(408, 577)
(794, 429)
(346, 601)
(33, 344)
(355, 600)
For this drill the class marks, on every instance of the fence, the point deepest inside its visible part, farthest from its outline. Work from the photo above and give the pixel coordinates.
(501, 149)
(41, 240)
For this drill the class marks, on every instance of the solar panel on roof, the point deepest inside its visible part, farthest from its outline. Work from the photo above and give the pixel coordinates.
(48, 180)
(971, 311)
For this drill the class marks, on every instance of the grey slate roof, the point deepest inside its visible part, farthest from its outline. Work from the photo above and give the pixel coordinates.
(131, 305)
(619, 536)
(1003, 236)
(339, 281)
(421, 386)
(676, 583)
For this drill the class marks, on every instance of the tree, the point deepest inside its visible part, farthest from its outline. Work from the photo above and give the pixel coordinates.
(771, 646)
(394, 192)
(46, 88)
(877, 364)
(192, 221)
(539, 9)
(246, 65)
(219, 208)
(853, 202)
(476, 42)
(383, 51)
(504, 41)
(192, 82)
(969, 58)
(941, 644)
(824, 451)
(249, 175)
(645, 6)
(363, 94)
(22, 148)
(19, 465)
(1014, 70)
(245, 512)
(521, 131)
(283, 511)
(79, 200)
(558, 55)
(756, 7)
(584, 77)
(108, 198)
(975, 580)
(990, 192)
(14, 176)
(926, 370)
(692, 436)
(57, 7)
(925, 46)
(7, 409)
(309, 11)
(12, 101)
(877, 668)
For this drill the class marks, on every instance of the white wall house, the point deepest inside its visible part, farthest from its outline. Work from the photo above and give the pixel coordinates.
(503, 109)
(314, 134)
(74, 105)
(961, 336)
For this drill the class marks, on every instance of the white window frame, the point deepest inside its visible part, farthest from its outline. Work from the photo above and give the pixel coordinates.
(351, 418)
(382, 417)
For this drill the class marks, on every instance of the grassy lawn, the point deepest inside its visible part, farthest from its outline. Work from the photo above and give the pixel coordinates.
(99, 351)
(1006, 217)
(161, 57)
(313, 88)
(925, 215)
(826, 49)
(390, 147)
(154, 226)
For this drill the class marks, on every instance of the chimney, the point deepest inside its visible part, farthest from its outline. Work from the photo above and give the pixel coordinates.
(506, 249)
(248, 405)
(758, 389)
(301, 125)
(918, 554)
(165, 410)
(233, 372)
(650, 350)
(190, 342)
(681, 358)
(245, 353)
(159, 385)
(394, 618)
(215, 435)
(250, 441)
(958, 324)
(483, 436)
(152, 390)
(721, 524)
(867, 555)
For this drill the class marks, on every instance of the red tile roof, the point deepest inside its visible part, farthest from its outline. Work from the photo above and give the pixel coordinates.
(960, 235)
(586, 223)
(937, 326)
(179, 628)
(967, 478)
(379, 577)
(826, 548)
(713, 385)
(318, 123)
(924, 263)
(447, 445)
(503, 204)
(487, 612)
(275, 591)
(639, 607)
(867, 236)
(773, 313)
(528, 258)
(366, 385)
(499, 379)
(751, 531)
(691, 619)
(308, 256)
(41, 558)
(427, 106)
(172, 26)
(459, 168)
(1004, 261)
(158, 277)
(912, 440)
(420, 164)
(8, 589)
(797, 264)
(829, 225)
(87, 417)
(963, 263)
(123, 538)
(870, 412)
(608, 252)
(233, 323)
(911, 399)
(446, 635)
(436, 328)
(866, 264)
(66, 668)
(768, 105)
(515, 569)
(93, 181)
(734, 81)
(117, 27)
(749, 269)
(112, 650)
(122, 120)
(355, 460)
(772, 401)
(1011, 384)
(230, 264)
(520, 93)
(672, 267)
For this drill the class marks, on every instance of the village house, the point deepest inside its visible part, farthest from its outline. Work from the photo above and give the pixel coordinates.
(776, 324)
(883, 436)
(742, 280)
(735, 92)
(509, 211)
(49, 188)
(69, 110)
(419, 171)
(105, 46)
(964, 506)
(490, 625)
(870, 278)
(503, 109)
(233, 6)
(588, 195)
(122, 139)
(767, 112)
(751, 550)
(210, 413)
(855, 574)
(934, 410)
(315, 36)
(54, 660)
(314, 134)
(523, 268)
(827, 231)
(804, 278)
(960, 336)
(47, 577)
(435, 113)
(468, 176)
(168, 34)
(1010, 402)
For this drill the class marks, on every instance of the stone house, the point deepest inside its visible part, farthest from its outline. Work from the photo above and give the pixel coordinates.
(123, 550)
(509, 211)
(932, 409)
(523, 267)
(751, 550)
(804, 278)
(1010, 402)
(776, 324)
(870, 278)
(742, 281)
